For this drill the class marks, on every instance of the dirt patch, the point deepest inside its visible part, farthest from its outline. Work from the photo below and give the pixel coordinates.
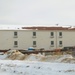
(16, 55)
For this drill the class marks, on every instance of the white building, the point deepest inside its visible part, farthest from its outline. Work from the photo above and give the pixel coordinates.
(48, 38)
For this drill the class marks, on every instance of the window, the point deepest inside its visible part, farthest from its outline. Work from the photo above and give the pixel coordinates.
(52, 43)
(34, 33)
(15, 34)
(15, 43)
(60, 34)
(34, 43)
(52, 34)
(60, 43)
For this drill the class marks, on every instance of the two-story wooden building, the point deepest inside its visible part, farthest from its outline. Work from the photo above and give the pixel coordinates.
(48, 38)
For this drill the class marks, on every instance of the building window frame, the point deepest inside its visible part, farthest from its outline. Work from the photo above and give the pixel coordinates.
(52, 34)
(15, 34)
(15, 43)
(34, 43)
(60, 34)
(52, 43)
(34, 34)
(60, 43)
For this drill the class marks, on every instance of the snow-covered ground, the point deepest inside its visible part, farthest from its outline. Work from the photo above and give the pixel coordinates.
(15, 63)
(16, 67)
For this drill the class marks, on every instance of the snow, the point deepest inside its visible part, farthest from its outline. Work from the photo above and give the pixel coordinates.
(19, 27)
(14, 55)
(16, 67)
(15, 63)
(34, 57)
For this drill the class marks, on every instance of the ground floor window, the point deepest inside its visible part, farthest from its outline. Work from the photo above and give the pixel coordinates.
(15, 43)
(52, 43)
(34, 43)
(60, 43)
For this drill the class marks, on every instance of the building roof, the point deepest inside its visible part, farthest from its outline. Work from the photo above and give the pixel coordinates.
(49, 28)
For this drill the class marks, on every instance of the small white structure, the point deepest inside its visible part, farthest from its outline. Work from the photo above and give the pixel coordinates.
(48, 38)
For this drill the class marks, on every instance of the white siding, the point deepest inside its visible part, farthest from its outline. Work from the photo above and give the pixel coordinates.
(25, 39)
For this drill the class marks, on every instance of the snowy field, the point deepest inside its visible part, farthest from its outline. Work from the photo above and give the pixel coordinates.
(36, 64)
(9, 67)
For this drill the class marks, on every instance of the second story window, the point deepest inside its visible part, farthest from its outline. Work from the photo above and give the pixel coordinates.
(52, 34)
(15, 34)
(60, 34)
(34, 34)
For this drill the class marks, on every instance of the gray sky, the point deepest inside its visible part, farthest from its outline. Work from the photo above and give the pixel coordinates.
(29, 12)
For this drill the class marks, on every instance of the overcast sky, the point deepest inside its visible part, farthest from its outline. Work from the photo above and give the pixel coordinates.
(37, 12)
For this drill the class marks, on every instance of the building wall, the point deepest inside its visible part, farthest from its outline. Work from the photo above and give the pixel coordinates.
(6, 39)
(68, 38)
(43, 39)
